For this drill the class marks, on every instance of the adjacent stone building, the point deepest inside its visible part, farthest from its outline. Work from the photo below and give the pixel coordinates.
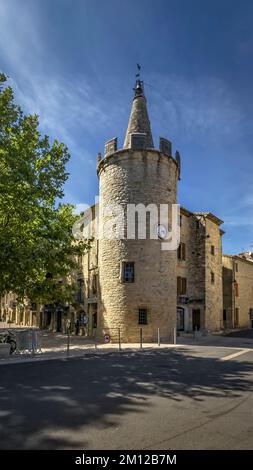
(199, 272)
(238, 291)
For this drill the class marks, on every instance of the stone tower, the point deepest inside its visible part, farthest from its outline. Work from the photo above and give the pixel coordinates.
(137, 278)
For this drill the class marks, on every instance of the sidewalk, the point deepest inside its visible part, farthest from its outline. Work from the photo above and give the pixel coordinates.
(55, 345)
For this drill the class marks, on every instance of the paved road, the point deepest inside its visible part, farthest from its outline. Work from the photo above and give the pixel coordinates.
(185, 398)
(245, 333)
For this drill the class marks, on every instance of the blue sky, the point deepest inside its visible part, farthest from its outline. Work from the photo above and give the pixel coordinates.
(73, 62)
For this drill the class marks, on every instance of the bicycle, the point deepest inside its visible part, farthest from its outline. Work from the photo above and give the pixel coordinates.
(9, 337)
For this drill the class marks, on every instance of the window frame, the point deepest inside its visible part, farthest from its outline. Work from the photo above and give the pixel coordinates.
(123, 277)
(181, 286)
(143, 323)
(181, 251)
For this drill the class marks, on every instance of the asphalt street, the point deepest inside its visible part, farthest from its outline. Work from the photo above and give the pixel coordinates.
(192, 397)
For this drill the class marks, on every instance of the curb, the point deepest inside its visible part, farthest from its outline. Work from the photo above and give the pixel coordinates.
(93, 352)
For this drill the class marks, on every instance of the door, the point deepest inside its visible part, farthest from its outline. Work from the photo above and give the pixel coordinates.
(236, 317)
(94, 320)
(58, 320)
(180, 319)
(196, 319)
(47, 319)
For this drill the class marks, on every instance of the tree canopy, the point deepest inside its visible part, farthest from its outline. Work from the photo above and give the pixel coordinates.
(37, 247)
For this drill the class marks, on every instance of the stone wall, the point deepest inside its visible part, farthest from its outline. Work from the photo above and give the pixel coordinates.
(244, 300)
(145, 177)
(237, 290)
(228, 297)
(199, 232)
(213, 264)
(193, 268)
(240, 271)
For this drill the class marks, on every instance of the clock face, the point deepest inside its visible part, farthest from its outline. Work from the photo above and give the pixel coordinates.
(161, 231)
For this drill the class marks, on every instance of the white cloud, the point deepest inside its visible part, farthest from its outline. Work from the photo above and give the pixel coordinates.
(19, 33)
(199, 108)
(239, 220)
(247, 201)
(64, 108)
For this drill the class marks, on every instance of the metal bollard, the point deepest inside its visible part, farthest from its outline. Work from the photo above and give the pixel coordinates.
(68, 343)
(195, 334)
(175, 336)
(158, 337)
(140, 338)
(30, 340)
(33, 342)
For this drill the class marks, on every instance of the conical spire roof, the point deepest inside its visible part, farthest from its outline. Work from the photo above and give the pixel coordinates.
(139, 120)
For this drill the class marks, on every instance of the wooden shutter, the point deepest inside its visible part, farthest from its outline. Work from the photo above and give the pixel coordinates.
(184, 284)
(178, 285)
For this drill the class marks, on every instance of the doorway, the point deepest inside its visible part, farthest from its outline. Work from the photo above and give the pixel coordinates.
(180, 319)
(47, 319)
(236, 317)
(58, 320)
(196, 319)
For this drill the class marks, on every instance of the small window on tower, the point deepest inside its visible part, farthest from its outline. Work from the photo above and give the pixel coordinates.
(128, 272)
(212, 249)
(143, 316)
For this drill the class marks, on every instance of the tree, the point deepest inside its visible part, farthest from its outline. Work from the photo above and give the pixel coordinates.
(37, 247)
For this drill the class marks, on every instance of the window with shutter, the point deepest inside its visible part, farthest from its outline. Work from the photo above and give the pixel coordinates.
(178, 285)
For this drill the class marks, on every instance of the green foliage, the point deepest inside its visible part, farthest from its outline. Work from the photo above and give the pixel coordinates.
(37, 249)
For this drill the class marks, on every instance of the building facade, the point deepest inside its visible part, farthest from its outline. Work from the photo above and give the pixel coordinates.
(199, 272)
(197, 288)
(127, 283)
(137, 284)
(238, 291)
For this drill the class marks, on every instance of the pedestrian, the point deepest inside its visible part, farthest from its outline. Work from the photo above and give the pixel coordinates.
(77, 326)
(68, 325)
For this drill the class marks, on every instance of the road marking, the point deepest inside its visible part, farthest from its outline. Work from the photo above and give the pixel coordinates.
(231, 356)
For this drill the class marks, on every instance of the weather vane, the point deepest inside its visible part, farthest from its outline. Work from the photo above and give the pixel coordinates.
(138, 73)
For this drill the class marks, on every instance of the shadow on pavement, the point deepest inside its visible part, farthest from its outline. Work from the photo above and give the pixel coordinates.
(51, 405)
